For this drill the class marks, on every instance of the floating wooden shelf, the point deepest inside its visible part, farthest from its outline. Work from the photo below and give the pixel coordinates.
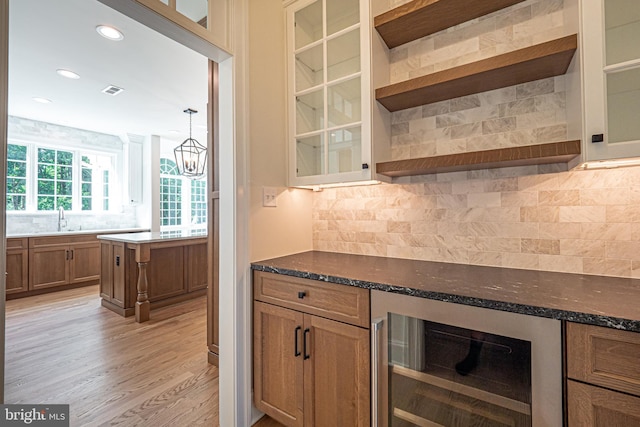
(524, 65)
(420, 18)
(555, 152)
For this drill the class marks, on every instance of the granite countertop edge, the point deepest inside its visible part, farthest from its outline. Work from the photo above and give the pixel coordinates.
(531, 310)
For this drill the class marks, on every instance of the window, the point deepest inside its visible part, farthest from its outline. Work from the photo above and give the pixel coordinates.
(183, 202)
(55, 179)
(16, 177)
(43, 178)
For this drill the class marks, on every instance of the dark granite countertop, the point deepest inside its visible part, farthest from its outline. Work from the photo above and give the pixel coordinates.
(597, 300)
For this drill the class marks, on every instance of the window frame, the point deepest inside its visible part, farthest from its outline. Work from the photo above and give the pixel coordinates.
(78, 151)
(186, 200)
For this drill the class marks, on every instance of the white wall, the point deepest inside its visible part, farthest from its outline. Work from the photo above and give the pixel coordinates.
(286, 228)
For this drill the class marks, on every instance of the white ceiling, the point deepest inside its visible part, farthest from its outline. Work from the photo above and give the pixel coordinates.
(160, 78)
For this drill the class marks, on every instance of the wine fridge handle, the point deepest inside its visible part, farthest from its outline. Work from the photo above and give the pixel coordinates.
(376, 326)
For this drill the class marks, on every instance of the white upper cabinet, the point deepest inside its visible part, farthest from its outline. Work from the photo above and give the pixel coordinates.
(611, 78)
(329, 92)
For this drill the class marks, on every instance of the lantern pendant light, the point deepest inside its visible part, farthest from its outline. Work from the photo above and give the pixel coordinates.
(191, 156)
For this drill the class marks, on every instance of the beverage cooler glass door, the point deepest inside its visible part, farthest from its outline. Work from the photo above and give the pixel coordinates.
(446, 364)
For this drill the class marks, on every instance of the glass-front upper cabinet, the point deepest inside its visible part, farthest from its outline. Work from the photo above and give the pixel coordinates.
(329, 91)
(611, 72)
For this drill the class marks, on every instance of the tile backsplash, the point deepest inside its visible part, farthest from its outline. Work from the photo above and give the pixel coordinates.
(525, 217)
(526, 114)
(27, 223)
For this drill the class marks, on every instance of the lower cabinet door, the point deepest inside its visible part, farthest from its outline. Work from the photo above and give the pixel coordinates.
(336, 374)
(84, 262)
(17, 269)
(598, 407)
(48, 266)
(278, 363)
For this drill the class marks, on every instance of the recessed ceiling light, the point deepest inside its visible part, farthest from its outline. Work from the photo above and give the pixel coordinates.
(41, 100)
(110, 33)
(68, 74)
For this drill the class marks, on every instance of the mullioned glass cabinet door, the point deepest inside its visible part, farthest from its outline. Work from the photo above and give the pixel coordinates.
(611, 31)
(328, 91)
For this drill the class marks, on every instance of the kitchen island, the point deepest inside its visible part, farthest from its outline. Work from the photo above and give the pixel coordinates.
(140, 271)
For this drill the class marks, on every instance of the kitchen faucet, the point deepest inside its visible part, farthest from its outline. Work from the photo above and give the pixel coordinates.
(61, 221)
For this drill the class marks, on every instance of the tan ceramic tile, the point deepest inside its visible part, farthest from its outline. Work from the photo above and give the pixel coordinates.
(519, 198)
(493, 259)
(629, 250)
(398, 227)
(604, 267)
(424, 227)
(556, 230)
(498, 244)
(451, 201)
(519, 260)
(562, 263)
(559, 198)
(538, 25)
(452, 228)
(468, 186)
(610, 231)
(582, 214)
(540, 246)
(501, 184)
(484, 199)
(604, 196)
(623, 214)
(529, 214)
(583, 248)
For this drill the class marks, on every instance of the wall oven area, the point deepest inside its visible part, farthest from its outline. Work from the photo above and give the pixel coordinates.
(445, 364)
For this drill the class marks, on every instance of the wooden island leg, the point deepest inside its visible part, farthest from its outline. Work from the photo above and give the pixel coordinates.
(143, 255)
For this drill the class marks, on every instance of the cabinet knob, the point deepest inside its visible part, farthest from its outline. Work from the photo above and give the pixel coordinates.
(302, 294)
(598, 137)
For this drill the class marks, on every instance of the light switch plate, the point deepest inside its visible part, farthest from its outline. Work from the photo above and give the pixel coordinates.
(269, 197)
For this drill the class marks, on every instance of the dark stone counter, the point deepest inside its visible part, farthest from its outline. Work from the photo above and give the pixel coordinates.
(597, 300)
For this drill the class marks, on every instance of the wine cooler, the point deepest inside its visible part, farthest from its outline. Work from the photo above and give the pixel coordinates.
(444, 364)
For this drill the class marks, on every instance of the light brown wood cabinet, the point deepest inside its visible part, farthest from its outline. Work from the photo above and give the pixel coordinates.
(17, 265)
(603, 370)
(311, 366)
(63, 260)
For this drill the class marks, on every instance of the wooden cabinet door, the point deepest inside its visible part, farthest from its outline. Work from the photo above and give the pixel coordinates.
(166, 273)
(278, 363)
(84, 262)
(336, 374)
(48, 266)
(106, 271)
(196, 264)
(17, 266)
(118, 264)
(590, 406)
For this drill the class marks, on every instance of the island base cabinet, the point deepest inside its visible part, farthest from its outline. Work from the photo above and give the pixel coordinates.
(308, 370)
(590, 406)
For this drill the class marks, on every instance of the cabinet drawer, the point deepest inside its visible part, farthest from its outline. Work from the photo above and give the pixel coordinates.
(339, 302)
(68, 239)
(590, 406)
(604, 356)
(15, 243)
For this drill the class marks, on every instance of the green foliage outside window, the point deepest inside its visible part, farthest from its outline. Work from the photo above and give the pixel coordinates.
(16, 177)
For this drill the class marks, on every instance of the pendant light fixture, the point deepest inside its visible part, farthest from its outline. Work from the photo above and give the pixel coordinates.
(191, 156)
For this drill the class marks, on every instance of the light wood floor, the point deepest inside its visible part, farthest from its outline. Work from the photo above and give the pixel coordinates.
(65, 348)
